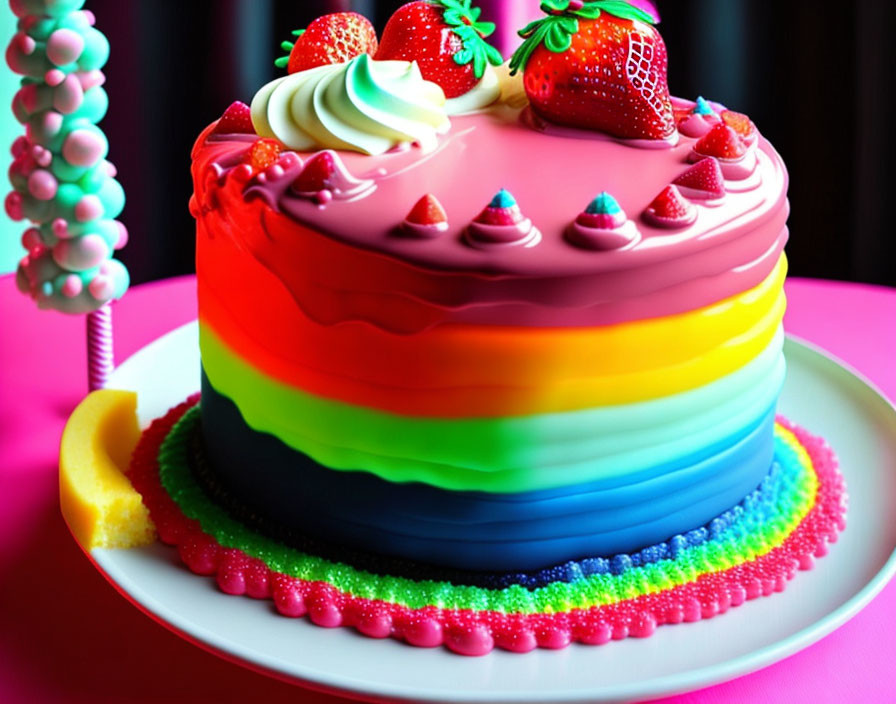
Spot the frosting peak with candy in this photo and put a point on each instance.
(361, 105)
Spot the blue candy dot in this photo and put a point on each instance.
(702, 107)
(603, 204)
(503, 199)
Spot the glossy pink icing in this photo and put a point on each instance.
(602, 232)
(417, 229)
(695, 126)
(444, 279)
(522, 233)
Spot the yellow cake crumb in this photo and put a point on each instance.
(99, 504)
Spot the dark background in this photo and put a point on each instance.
(816, 77)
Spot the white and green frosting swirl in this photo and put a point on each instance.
(361, 105)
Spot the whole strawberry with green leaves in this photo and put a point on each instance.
(330, 39)
(598, 65)
(445, 38)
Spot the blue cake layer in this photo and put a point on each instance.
(476, 530)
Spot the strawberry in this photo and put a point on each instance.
(445, 38)
(739, 122)
(427, 211)
(263, 154)
(721, 142)
(317, 175)
(670, 209)
(237, 119)
(703, 180)
(597, 65)
(331, 39)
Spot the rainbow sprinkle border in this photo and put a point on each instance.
(776, 531)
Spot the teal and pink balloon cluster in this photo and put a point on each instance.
(62, 182)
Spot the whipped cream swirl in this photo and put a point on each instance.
(361, 105)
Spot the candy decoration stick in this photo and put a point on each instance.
(100, 360)
(62, 182)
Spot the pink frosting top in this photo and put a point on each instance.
(551, 281)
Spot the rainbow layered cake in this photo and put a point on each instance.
(490, 354)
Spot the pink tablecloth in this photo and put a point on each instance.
(67, 636)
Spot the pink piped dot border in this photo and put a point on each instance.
(477, 633)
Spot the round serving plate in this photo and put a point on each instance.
(820, 393)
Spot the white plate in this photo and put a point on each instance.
(819, 393)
